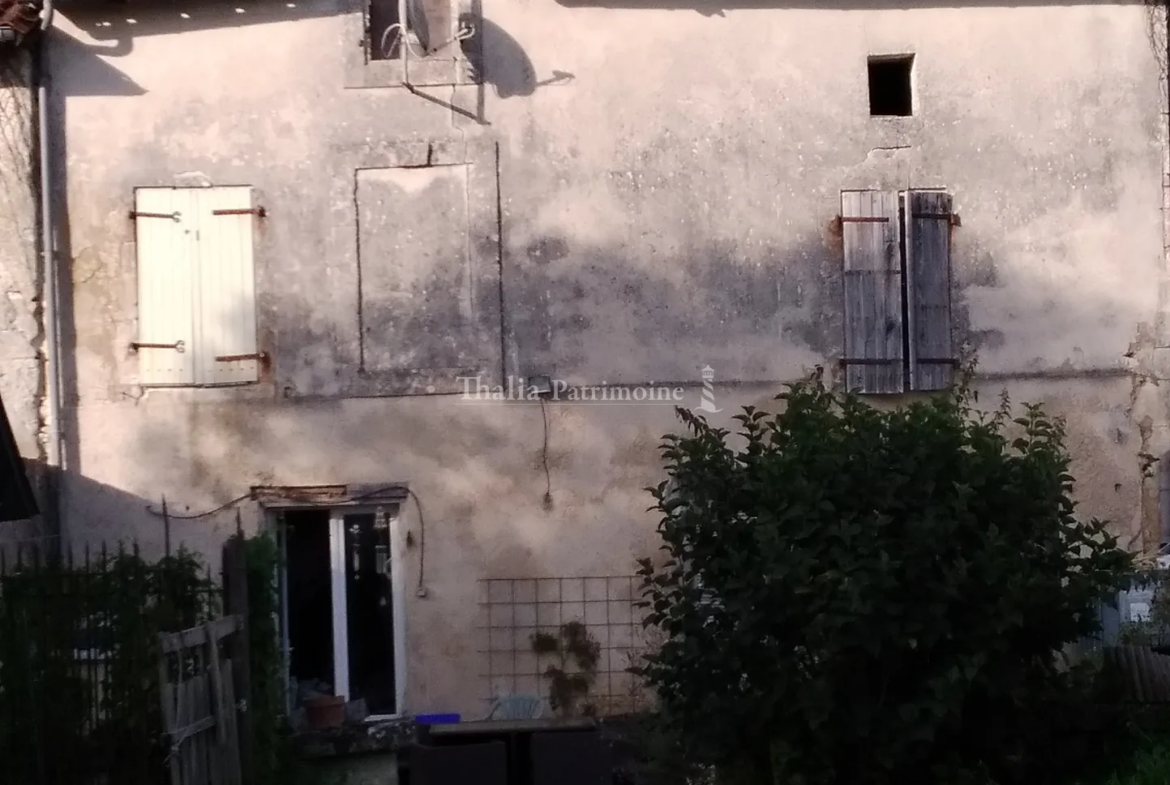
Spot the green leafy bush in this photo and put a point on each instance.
(862, 596)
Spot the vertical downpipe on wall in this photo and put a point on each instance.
(50, 308)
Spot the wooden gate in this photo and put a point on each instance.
(199, 704)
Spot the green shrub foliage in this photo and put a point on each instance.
(853, 595)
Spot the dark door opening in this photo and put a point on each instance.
(310, 597)
(370, 612)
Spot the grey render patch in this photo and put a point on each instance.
(421, 298)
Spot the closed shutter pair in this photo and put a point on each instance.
(196, 286)
(898, 333)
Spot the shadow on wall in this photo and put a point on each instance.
(496, 57)
(90, 509)
(499, 60)
(121, 23)
(98, 515)
(93, 75)
(718, 7)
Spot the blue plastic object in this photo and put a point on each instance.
(437, 719)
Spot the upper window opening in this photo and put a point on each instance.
(424, 29)
(890, 91)
(386, 30)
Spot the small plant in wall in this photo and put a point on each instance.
(572, 675)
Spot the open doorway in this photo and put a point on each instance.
(342, 613)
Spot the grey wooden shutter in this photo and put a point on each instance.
(928, 287)
(873, 291)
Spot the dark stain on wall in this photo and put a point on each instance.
(593, 311)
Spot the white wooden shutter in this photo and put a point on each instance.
(928, 287)
(873, 291)
(165, 235)
(226, 301)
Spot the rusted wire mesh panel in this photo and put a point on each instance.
(526, 624)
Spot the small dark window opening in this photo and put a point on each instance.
(889, 86)
(386, 30)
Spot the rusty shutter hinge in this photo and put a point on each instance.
(862, 219)
(868, 361)
(178, 346)
(230, 358)
(951, 218)
(175, 216)
(259, 212)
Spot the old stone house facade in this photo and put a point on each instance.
(291, 244)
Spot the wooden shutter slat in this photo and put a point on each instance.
(873, 291)
(928, 266)
(226, 327)
(166, 265)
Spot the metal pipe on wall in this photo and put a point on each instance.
(50, 309)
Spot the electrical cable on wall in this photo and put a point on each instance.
(422, 526)
(421, 589)
(548, 499)
(466, 31)
(220, 508)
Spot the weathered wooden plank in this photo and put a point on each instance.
(198, 726)
(221, 628)
(168, 693)
(192, 741)
(206, 738)
(216, 707)
(854, 319)
(186, 744)
(232, 750)
(928, 270)
(873, 291)
(199, 740)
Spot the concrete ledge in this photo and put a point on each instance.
(359, 738)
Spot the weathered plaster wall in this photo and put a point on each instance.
(655, 191)
(20, 333)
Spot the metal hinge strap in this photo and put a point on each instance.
(175, 216)
(229, 358)
(851, 219)
(178, 346)
(257, 211)
(951, 218)
(868, 361)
